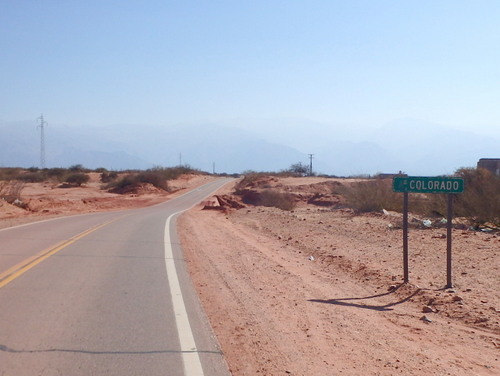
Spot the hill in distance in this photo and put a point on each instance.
(411, 146)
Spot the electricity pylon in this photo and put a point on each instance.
(42, 124)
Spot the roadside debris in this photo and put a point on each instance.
(426, 319)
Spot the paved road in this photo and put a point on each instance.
(103, 294)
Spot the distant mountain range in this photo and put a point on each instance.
(415, 147)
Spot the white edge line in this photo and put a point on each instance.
(190, 356)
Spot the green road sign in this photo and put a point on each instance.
(426, 184)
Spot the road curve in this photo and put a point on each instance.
(104, 294)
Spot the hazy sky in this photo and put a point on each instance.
(159, 62)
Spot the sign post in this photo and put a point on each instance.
(426, 184)
(448, 241)
(406, 272)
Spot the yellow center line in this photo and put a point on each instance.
(25, 265)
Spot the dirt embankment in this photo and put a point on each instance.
(46, 200)
(318, 291)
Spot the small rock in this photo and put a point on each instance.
(457, 298)
(426, 319)
(311, 258)
(428, 309)
(392, 288)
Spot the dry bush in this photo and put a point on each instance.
(372, 195)
(33, 177)
(280, 200)
(157, 176)
(56, 174)
(480, 201)
(77, 179)
(107, 177)
(10, 173)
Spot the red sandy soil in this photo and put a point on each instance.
(46, 200)
(344, 311)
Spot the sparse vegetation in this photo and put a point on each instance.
(273, 198)
(57, 174)
(297, 169)
(480, 202)
(77, 168)
(33, 177)
(157, 177)
(77, 179)
(371, 195)
(107, 177)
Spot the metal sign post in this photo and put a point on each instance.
(426, 184)
(448, 241)
(406, 272)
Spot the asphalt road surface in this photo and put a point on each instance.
(103, 294)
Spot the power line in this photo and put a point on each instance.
(42, 125)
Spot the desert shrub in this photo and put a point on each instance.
(156, 178)
(170, 173)
(121, 184)
(11, 173)
(33, 177)
(107, 177)
(57, 174)
(77, 179)
(135, 179)
(371, 195)
(273, 198)
(77, 168)
(480, 201)
(297, 169)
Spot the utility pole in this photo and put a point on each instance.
(42, 124)
(311, 164)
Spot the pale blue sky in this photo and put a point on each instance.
(362, 63)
